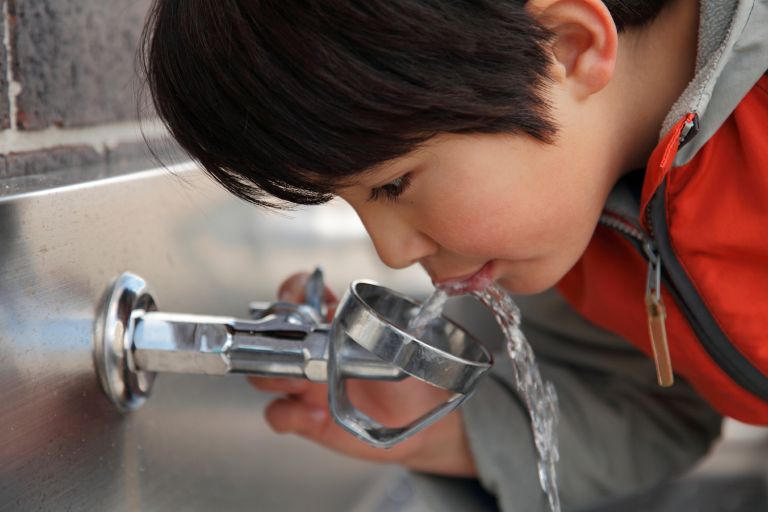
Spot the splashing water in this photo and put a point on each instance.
(539, 397)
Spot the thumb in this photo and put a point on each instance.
(293, 415)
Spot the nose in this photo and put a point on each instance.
(398, 241)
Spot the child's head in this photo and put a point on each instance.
(456, 129)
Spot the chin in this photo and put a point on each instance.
(526, 286)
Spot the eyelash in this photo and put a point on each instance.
(392, 190)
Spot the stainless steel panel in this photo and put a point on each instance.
(200, 442)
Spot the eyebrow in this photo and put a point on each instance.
(401, 161)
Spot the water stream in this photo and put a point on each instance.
(539, 397)
(430, 310)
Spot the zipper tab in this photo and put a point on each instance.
(690, 129)
(654, 305)
(657, 315)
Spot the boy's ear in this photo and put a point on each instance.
(584, 45)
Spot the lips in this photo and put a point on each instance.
(468, 283)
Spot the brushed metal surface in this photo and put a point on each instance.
(199, 443)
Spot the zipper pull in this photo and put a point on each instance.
(657, 315)
(690, 129)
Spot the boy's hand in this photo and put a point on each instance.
(440, 448)
(292, 290)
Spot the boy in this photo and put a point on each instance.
(485, 138)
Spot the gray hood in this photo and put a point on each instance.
(732, 55)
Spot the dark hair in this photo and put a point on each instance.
(289, 98)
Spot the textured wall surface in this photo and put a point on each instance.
(68, 85)
(4, 109)
(74, 60)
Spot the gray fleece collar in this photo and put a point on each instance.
(732, 55)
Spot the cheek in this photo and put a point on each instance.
(522, 224)
(528, 201)
(479, 224)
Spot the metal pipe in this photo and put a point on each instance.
(273, 346)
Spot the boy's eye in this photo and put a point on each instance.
(391, 190)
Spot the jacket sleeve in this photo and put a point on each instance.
(619, 431)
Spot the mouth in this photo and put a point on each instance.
(469, 283)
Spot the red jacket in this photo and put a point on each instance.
(707, 223)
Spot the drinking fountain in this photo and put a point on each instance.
(368, 338)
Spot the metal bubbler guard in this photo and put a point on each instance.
(376, 318)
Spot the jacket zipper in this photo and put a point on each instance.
(654, 305)
(705, 327)
(710, 335)
(655, 310)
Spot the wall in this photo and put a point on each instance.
(68, 86)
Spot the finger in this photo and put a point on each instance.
(331, 303)
(330, 298)
(292, 415)
(272, 385)
(321, 428)
(312, 393)
(292, 289)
